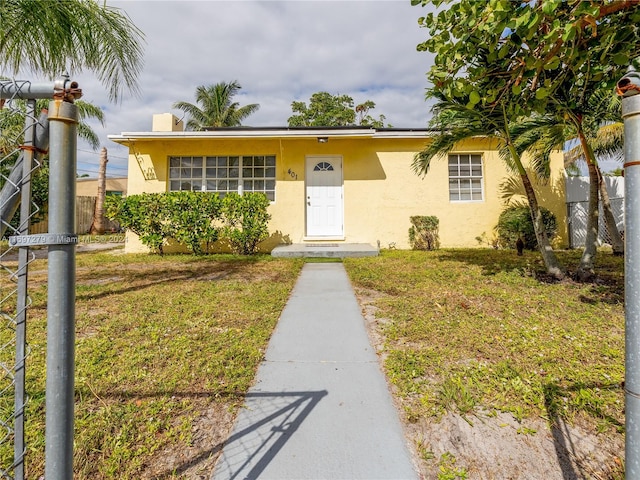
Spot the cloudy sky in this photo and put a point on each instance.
(279, 52)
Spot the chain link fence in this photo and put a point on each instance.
(18, 123)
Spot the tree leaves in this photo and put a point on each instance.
(327, 110)
(51, 37)
(474, 99)
(542, 93)
(528, 51)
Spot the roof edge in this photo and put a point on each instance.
(279, 132)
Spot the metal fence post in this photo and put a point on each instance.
(63, 118)
(629, 87)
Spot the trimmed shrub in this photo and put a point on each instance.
(423, 235)
(246, 221)
(515, 222)
(144, 214)
(194, 218)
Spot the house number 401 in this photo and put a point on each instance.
(292, 174)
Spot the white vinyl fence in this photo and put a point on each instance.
(578, 203)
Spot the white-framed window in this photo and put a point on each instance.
(465, 177)
(224, 174)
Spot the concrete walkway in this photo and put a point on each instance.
(320, 408)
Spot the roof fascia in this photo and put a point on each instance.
(273, 133)
(241, 134)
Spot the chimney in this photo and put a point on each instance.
(167, 122)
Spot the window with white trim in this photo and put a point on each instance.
(465, 178)
(224, 174)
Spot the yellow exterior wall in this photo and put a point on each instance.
(380, 189)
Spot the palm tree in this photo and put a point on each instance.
(457, 123)
(74, 35)
(98, 223)
(593, 136)
(217, 108)
(608, 142)
(606, 138)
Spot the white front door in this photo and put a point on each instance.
(324, 197)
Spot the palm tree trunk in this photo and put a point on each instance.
(586, 268)
(551, 263)
(98, 224)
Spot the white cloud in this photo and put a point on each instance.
(279, 51)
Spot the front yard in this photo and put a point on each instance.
(167, 347)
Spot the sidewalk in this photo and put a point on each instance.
(320, 408)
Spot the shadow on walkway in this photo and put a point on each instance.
(264, 426)
(271, 419)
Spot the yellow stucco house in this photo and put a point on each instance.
(339, 185)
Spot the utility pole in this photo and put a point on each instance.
(629, 88)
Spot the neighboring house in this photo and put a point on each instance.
(338, 185)
(88, 187)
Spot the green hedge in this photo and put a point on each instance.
(193, 219)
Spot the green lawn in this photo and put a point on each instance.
(160, 340)
(482, 330)
(165, 343)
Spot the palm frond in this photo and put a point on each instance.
(609, 140)
(440, 145)
(505, 154)
(86, 133)
(216, 107)
(511, 188)
(87, 110)
(456, 123)
(12, 121)
(72, 36)
(538, 137)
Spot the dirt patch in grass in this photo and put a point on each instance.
(500, 447)
(195, 461)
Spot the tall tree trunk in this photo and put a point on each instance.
(551, 263)
(98, 224)
(617, 244)
(586, 268)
